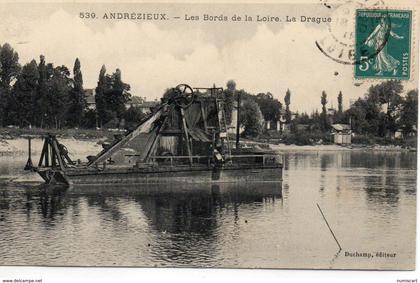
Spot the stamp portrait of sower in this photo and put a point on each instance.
(384, 62)
(383, 40)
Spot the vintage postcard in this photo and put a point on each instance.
(277, 135)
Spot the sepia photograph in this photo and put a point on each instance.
(269, 136)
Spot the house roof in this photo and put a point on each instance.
(341, 127)
(135, 100)
(89, 96)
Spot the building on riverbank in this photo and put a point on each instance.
(90, 98)
(341, 133)
(134, 101)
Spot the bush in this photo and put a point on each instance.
(372, 140)
(307, 138)
(251, 118)
(362, 139)
(89, 119)
(133, 116)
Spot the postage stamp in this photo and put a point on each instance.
(383, 40)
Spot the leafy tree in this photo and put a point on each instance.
(77, 100)
(133, 116)
(287, 103)
(59, 86)
(42, 70)
(4, 101)
(366, 117)
(117, 95)
(229, 93)
(317, 121)
(52, 95)
(409, 112)
(111, 96)
(269, 106)
(24, 94)
(9, 71)
(89, 120)
(10, 68)
(100, 97)
(231, 85)
(251, 118)
(324, 102)
(45, 72)
(367, 113)
(388, 94)
(303, 118)
(340, 102)
(339, 115)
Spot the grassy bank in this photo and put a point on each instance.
(79, 141)
(315, 138)
(80, 134)
(302, 141)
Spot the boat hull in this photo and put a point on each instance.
(162, 175)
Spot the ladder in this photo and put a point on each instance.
(223, 128)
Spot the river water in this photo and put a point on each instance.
(368, 198)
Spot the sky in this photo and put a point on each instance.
(153, 56)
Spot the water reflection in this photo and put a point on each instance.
(222, 224)
(349, 159)
(185, 221)
(51, 202)
(187, 208)
(383, 175)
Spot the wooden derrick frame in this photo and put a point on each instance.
(53, 154)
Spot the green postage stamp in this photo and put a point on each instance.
(383, 40)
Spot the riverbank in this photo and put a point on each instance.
(81, 142)
(78, 148)
(334, 147)
(79, 134)
(327, 147)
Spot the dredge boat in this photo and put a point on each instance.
(183, 140)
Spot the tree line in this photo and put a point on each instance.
(375, 117)
(382, 111)
(39, 94)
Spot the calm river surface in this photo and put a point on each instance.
(369, 199)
